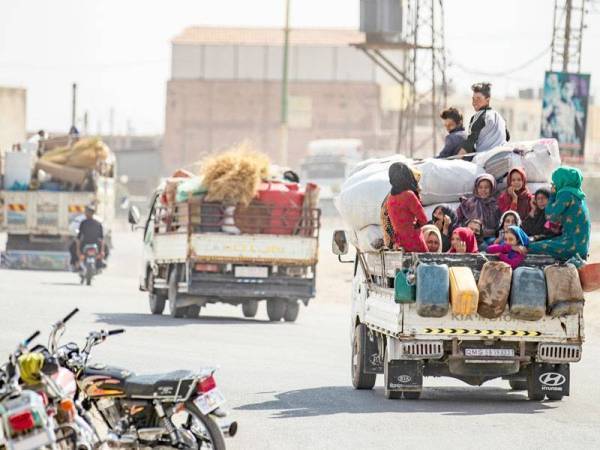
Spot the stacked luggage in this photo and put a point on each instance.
(527, 293)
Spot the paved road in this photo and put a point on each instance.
(288, 385)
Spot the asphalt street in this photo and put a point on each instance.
(288, 385)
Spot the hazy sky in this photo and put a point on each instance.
(118, 51)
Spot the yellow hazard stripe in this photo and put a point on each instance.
(16, 207)
(76, 208)
(466, 332)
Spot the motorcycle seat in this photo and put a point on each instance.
(170, 384)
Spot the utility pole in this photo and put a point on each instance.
(567, 42)
(567, 35)
(74, 105)
(284, 88)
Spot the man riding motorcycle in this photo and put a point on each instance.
(90, 232)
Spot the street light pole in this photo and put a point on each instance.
(284, 89)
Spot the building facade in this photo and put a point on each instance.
(13, 116)
(225, 87)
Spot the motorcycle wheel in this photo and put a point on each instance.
(205, 429)
(88, 278)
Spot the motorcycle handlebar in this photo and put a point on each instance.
(71, 314)
(117, 331)
(28, 341)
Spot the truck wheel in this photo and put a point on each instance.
(360, 379)
(291, 311)
(175, 312)
(532, 392)
(250, 308)
(518, 385)
(389, 394)
(192, 311)
(412, 395)
(156, 299)
(275, 309)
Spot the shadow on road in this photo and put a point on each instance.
(452, 401)
(62, 283)
(149, 320)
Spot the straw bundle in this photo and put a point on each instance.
(85, 154)
(233, 177)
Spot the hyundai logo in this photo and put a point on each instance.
(404, 379)
(552, 379)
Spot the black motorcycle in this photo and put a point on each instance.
(180, 409)
(89, 267)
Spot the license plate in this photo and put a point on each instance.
(210, 401)
(490, 352)
(31, 442)
(251, 272)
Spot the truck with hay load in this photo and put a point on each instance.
(44, 195)
(466, 316)
(234, 234)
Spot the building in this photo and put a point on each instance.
(13, 115)
(225, 87)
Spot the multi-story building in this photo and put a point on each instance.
(13, 106)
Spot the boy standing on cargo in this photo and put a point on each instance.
(487, 128)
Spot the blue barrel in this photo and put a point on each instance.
(433, 285)
(528, 294)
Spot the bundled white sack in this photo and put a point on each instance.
(370, 166)
(370, 238)
(446, 180)
(499, 161)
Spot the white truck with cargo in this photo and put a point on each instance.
(192, 258)
(40, 217)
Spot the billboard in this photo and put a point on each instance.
(564, 110)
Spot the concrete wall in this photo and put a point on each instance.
(13, 115)
(203, 116)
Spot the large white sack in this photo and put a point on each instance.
(499, 161)
(359, 204)
(371, 165)
(446, 180)
(370, 238)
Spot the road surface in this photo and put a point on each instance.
(288, 385)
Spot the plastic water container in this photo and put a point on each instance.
(528, 294)
(432, 290)
(464, 295)
(404, 288)
(494, 289)
(565, 294)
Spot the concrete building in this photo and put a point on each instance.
(13, 115)
(225, 87)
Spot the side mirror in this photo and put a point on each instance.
(134, 215)
(339, 244)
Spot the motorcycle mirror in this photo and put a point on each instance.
(134, 215)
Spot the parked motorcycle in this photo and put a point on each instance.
(180, 409)
(89, 266)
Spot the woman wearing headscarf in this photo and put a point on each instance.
(516, 197)
(406, 214)
(567, 207)
(446, 221)
(463, 241)
(433, 238)
(481, 205)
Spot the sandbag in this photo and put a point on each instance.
(446, 180)
(499, 161)
(370, 238)
(565, 295)
(189, 187)
(494, 289)
(371, 165)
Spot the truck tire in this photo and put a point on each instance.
(156, 299)
(275, 309)
(518, 385)
(192, 311)
(291, 311)
(389, 394)
(412, 395)
(360, 379)
(175, 312)
(250, 308)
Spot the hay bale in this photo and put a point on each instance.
(233, 177)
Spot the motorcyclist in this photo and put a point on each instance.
(91, 232)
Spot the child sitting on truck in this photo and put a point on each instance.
(406, 214)
(463, 241)
(511, 252)
(536, 225)
(446, 221)
(508, 219)
(516, 197)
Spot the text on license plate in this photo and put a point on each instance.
(251, 272)
(502, 352)
(210, 401)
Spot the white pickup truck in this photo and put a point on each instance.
(39, 224)
(391, 338)
(189, 260)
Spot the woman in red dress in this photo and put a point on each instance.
(405, 211)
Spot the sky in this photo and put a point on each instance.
(118, 51)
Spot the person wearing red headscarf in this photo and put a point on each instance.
(516, 197)
(463, 241)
